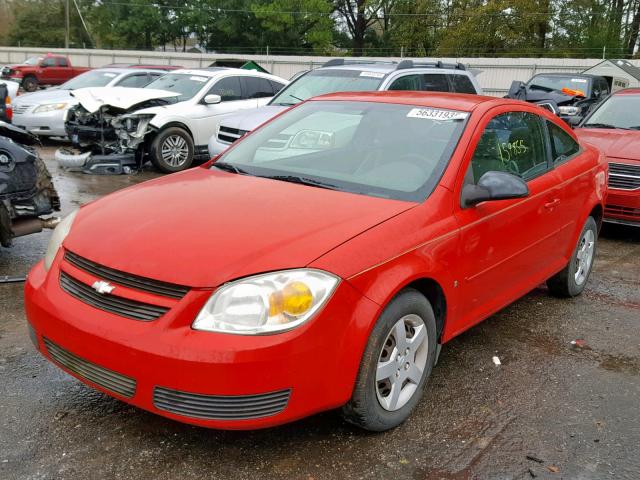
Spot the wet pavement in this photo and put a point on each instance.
(551, 410)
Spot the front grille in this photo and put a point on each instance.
(107, 379)
(216, 407)
(624, 176)
(21, 108)
(230, 135)
(109, 302)
(157, 287)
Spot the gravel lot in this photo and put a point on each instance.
(574, 411)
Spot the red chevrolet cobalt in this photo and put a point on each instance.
(322, 261)
(614, 127)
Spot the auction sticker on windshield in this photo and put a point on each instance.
(372, 74)
(437, 114)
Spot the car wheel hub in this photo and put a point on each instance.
(402, 362)
(175, 151)
(584, 257)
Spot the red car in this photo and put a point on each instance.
(332, 253)
(614, 127)
(49, 69)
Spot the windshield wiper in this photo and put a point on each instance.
(602, 125)
(227, 167)
(302, 181)
(285, 104)
(297, 98)
(635, 127)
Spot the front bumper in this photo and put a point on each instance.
(49, 124)
(314, 365)
(623, 207)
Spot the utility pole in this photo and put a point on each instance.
(66, 32)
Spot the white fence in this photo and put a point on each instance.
(495, 77)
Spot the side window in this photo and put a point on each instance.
(228, 88)
(512, 142)
(48, 62)
(134, 81)
(605, 87)
(462, 84)
(257, 87)
(62, 62)
(408, 82)
(276, 86)
(435, 82)
(562, 144)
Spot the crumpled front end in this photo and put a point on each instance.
(26, 189)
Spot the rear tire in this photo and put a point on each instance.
(572, 279)
(396, 364)
(172, 150)
(30, 84)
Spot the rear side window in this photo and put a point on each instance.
(62, 62)
(228, 88)
(435, 82)
(512, 142)
(462, 84)
(276, 86)
(562, 145)
(257, 87)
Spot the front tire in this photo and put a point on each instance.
(396, 364)
(172, 150)
(30, 84)
(572, 279)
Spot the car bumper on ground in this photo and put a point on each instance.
(49, 124)
(623, 207)
(210, 379)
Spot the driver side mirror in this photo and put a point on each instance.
(494, 186)
(574, 121)
(516, 87)
(212, 99)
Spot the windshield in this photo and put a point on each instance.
(566, 84)
(385, 150)
(94, 78)
(319, 82)
(32, 61)
(618, 111)
(185, 84)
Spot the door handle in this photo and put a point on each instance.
(552, 204)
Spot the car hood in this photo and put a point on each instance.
(615, 143)
(250, 119)
(119, 97)
(201, 228)
(45, 96)
(16, 134)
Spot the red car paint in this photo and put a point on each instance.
(480, 258)
(622, 147)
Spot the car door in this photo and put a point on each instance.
(47, 71)
(507, 247)
(258, 89)
(205, 118)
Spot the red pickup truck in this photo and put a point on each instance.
(49, 69)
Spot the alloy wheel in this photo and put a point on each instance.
(584, 257)
(175, 151)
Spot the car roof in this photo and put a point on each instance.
(126, 70)
(567, 74)
(628, 91)
(212, 72)
(455, 101)
(389, 67)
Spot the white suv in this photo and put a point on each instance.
(170, 120)
(339, 75)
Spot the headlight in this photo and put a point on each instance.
(57, 237)
(49, 107)
(267, 303)
(571, 111)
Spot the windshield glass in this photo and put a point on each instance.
(94, 78)
(385, 150)
(32, 61)
(555, 82)
(319, 82)
(183, 83)
(618, 111)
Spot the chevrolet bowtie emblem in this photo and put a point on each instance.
(102, 287)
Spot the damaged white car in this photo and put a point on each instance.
(169, 122)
